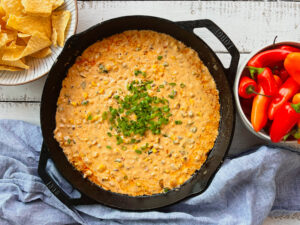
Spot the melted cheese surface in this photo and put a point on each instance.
(89, 89)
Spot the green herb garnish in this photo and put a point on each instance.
(178, 122)
(90, 117)
(108, 146)
(85, 102)
(104, 115)
(138, 151)
(150, 112)
(109, 134)
(159, 57)
(182, 85)
(172, 84)
(166, 190)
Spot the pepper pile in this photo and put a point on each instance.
(271, 84)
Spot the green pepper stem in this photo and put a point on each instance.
(254, 70)
(250, 90)
(296, 107)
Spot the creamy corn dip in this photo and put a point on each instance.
(137, 113)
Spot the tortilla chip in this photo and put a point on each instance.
(42, 53)
(7, 36)
(60, 20)
(36, 44)
(35, 26)
(38, 7)
(13, 53)
(9, 68)
(57, 3)
(12, 7)
(18, 63)
(23, 38)
(3, 39)
(2, 12)
(54, 38)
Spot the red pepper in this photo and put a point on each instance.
(247, 87)
(267, 81)
(289, 48)
(268, 58)
(278, 81)
(283, 74)
(292, 65)
(285, 119)
(259, 117)
(288, 89)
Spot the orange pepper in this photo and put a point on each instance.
(292, 65)
(259, 113)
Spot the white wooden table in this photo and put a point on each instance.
(248, 24)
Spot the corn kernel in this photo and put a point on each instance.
(105, 82)
(154, 66)
(102, 168)
(180, 180)
(95, 118)
(85, 95)
(108, 67)
(138, 184)
(73, 103)
(167, 171)
(154, 150)
(101, 91)
(192, 101)
(94, 84)
(71, 121)
(190, 135)
(173, 57)
(135, 147)
(199, 114)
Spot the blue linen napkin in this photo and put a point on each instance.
(244, 191)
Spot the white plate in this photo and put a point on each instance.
(40, 67)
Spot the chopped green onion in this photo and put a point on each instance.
(108, 146)
(90, 117)
(138, 151)
(178, 122)
(159, 57)
(109, 134)
(172, 84)
(104, 115)
(166, 190)
(85, 102)
(182, 85)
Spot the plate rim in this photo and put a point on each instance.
(44, 74)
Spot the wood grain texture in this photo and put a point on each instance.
(29, 112)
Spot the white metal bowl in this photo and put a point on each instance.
(263, 135)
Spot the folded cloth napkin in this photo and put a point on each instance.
(244, 191)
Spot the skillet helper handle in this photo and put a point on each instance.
(54, 187)
(222, 37)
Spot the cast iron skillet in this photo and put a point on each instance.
(182, 31)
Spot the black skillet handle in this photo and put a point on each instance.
(222, 37)
(53, 186)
